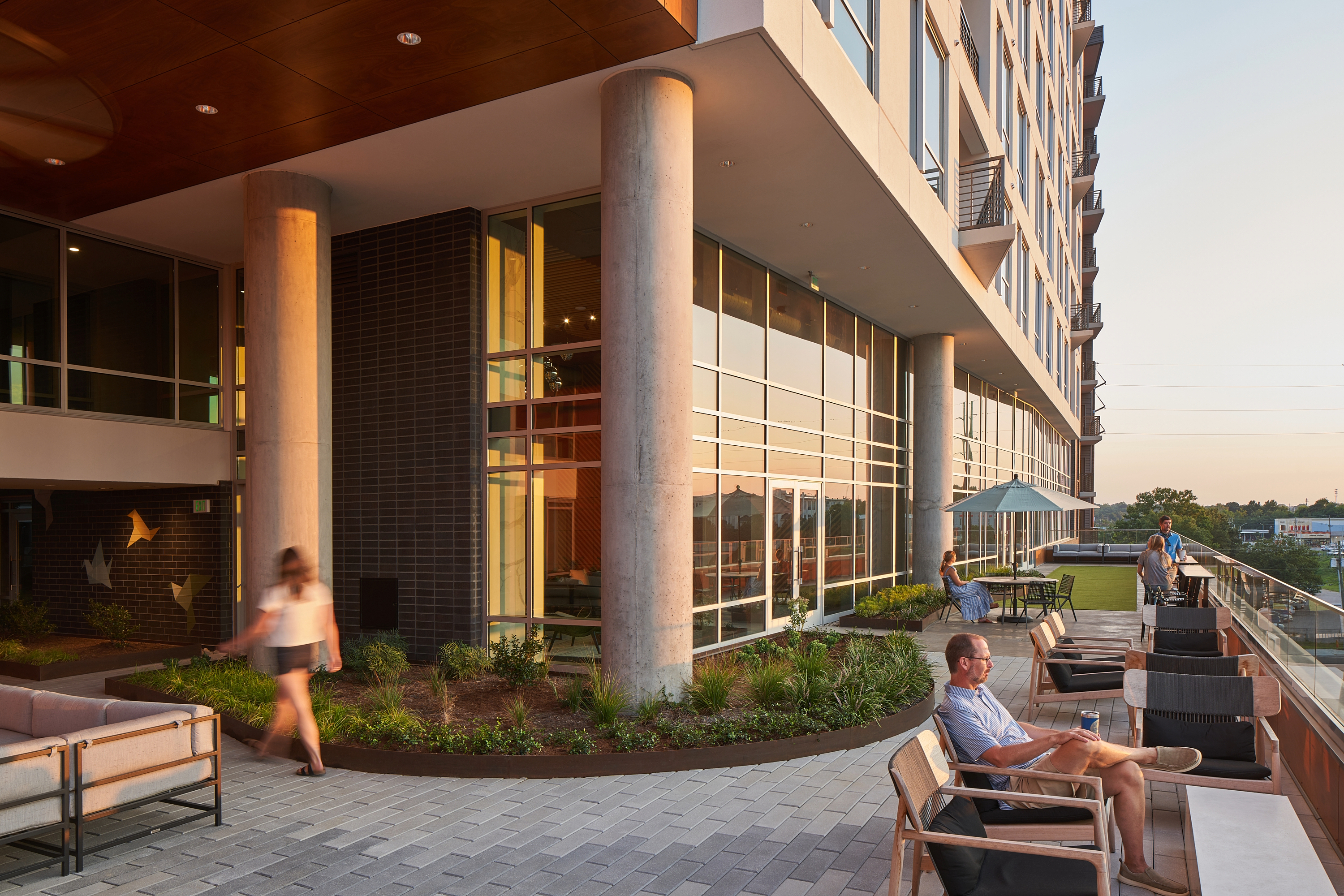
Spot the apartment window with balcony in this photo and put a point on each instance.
(852, 22)
(1050, 135)
(1059, 353)
(1024, 32)
(1049, 338)
(1040, 314)
(1048, 23)
(1023, 297)
(1049, 238)
(933, 104)
(1040, 204)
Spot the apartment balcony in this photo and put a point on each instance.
(1082, 26)
(1085, 323)
(1092, 430)
(968, 44)
(1092, 52)
(1093, 100)
(1092, 211)
(1090, 378)
(1089, 272)
(1085, 163)
(983, 233)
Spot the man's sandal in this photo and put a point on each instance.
(306, 771)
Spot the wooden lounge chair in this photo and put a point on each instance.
(1187, 631)
(931, 810)
(1056, 623)
(1245, 664)
(1058, 823)
(1058, 679)
(1222, 717)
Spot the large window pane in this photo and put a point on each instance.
(743, 619)
(884, 371)
(882, 512)
(198, 330)
(705, 535)
(839, 353)
(704, 388)
(567, 543)
(507, 380)
(239, 329)
(933, 102)
(861, 531)
(744, 314)
(795, 335)
(705, 312)
(567, 271)
(743, 397)
(30, 384)
(705, 628)
(742, 505)
(506, 281)
(30, 266)
(198, 403)
(560, 414)
(792, 438)
(839, 532)
(793, 409)
(567, 447)
(120, 302)
(108, 394)
(785, 464)
(851, 41)
(863, 363)
(567, 373)
(506, 540)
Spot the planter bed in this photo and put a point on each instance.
(885, 624)
(148, 655)
(461, 765)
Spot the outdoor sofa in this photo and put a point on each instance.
(1070, 552)
(66, 761)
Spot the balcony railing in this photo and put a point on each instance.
(968, 44)
(1089, 371)
(1085, 159)
(980, 194)
(1092, 88)
(934, 178)
(1082, 11)
(1089, 257)
(1096, 37)
(1092, 427)
(1086, 317)
(1092, 201)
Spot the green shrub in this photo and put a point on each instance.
(463, 662)
(10, 650)
(797, 619)
(515, 660)
(904, 602)
(574, 695)
(353, 650)
(113, 621)
(386, 698)
(765, 683)
(627, 738)
(576, 741)
(15, 652)
(1006, 571)
(809, 684)
(711, 684)
(607, 698)
(650, 708)
(384, 664)
(24, 619)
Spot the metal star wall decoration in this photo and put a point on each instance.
(140, 530)
(99, 570)
(184, 593)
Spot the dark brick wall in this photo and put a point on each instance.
(141, 574)
(406, 423)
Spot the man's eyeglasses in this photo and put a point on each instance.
(987, 659)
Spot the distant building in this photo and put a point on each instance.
(1312, 531)
(1250, 535)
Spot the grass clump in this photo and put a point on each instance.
(574, 695)
(15, 652)
(113, 621)
(515, 660)
(711, 685)
(607, 698)
(766, 683)
(384, 664)
(462, 662)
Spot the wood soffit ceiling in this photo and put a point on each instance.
(110, 86)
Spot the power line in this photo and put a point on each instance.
(1224, 410)
(1211, 386)
(1181, 364)
(1237, 434)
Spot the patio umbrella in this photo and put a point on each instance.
(1017, 497)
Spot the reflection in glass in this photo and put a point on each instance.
(747, 460)
(743, 397)
(507, 380)
(705, 628)
(793, 439)
(839, 420)
(883, 511)
(743, 619)
(30, 384)
(510, 419)
(793, 409)
(839, 599)
(582, 643)
(704, 454)
(744, 314)
(120, 303)
(498, 631)
(884, 373)
(863, 364)
(567, 373)
(839, 353)
(783, 553)
(240, 408)
(198, 327)
(704, 388)
(198, 403)
(705, 535)
(740, 431)
(839, 469)
(842, 447)
(704, 425)
(567, 271)
(796, 329)
(506, 543)
(109, 394)
(783, 464)
(506, 281)
(861, 531)
(557, 414)
(30, 271)
(239, 330)
(510, 451)
(567, 447)
(742, 505)
(567, 542)
(839, 532)
(808, 505)
(705, 312)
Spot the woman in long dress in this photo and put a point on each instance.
(972, 596)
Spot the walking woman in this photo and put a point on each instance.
(295, 615)
(1156, 568)
(972, 597)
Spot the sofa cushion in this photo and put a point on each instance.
(13, 737)
(202, 735)
(107, 760)
(16, 708)
(29, 777)
(59, 714)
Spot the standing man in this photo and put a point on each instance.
(1170, 540)
(984, 733)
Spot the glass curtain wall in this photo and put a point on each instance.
(999, 437)
(139, 330)
(801, 450)
(544, 425)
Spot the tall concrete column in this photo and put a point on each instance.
(932, 423)
(647, 276)
(287, 271)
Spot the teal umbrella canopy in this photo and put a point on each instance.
(1017, 496)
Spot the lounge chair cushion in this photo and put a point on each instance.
(990, 813)
(1068, 681)
(1010, 874)
(28, 778)
(1234, 741)
(958, 866)
(1231, 768)
(1186, 643)
(16, 708)
(1117, 662)
(59, 714)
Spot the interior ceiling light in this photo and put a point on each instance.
(863, 267)
(914, 306)
(409, 38)
(206, 110)
(56, 162)
(74, 248)
(726, 163)
(806, 224)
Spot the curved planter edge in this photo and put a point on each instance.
(459, 765)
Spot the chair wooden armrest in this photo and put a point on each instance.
(1222, 641)
(1091, 780)
(1267, 752)
(1084, 648)
(1088, 639)
(1059, 662)
(1072, 802)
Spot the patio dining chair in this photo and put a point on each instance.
(1061, 679)
(1040, 594)
(930, 809)
(1222, 717)
(1187, 631)
(952, 602)
(1064, 595)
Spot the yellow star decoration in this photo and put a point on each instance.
(140, 530)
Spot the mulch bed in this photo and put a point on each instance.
(88, 648)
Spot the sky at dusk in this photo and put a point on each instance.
(1220, 250)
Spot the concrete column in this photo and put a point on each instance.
(287, 271)
(647, 275)
(932, 423)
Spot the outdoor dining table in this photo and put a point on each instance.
(1191, 579)
(1013, 583)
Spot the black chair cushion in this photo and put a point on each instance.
(1016, 874)
(1186, 643)
(1232, 768)
(958, 866)
(1052, 815)
(1118, 662)
(1195, 653)
(1092, 681)
(1216, 740)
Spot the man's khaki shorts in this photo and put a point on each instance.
(1044, 787)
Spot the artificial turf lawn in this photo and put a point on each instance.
(1102, 587)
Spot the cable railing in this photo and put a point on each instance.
(980, 194)
(968, 44)
(934, 178)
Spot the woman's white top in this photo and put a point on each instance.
(302, 618)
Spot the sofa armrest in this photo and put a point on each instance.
(33, 784)
(118, 764)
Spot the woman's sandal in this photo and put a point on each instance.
(255, 746)
(306, 771)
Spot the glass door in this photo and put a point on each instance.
(795, 534)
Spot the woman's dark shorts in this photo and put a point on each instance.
(288, 659)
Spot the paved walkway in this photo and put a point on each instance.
(819, 826)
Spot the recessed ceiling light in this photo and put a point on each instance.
(914, 306)
(592, 317)
(74, 248)
(206, 110)
(726, 163)
(56, 162)
(863, 267)
(566, 320)
(409, 38)
(806, 224)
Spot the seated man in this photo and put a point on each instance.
(983, 733)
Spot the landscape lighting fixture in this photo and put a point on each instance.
(409, 38)
(206, 110)
(56, 162)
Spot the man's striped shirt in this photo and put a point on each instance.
(976, 722)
